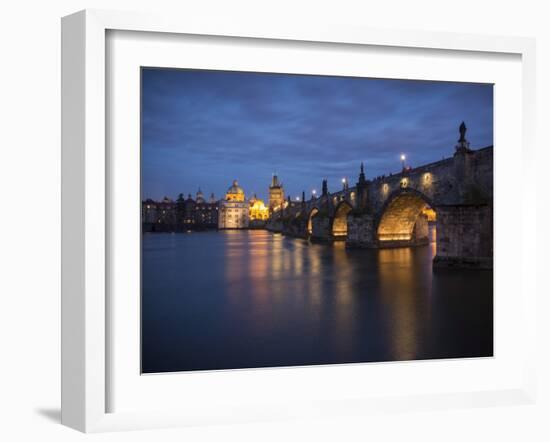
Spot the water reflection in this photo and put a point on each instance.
(251, 299)
(404, 285)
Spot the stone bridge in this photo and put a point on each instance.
(452, 198)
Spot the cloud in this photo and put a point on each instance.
(207, 127)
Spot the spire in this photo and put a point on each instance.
(325, 187)
(303, 196)
(362, 178)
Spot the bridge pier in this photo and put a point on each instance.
(296, 227)
(321, 230)
(421, 232)
(464, 236)
(361, 231)
(274, 225)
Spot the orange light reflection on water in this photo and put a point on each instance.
(399, 283)
(288, 275)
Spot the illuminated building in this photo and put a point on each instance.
(234, 209)
(258, 210)
(276, 194)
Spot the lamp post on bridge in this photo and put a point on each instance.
(403, 158)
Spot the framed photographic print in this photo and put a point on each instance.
(262, 275)
(265, 223)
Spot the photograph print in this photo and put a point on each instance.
(300, 220)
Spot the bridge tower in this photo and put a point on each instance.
(276, 193)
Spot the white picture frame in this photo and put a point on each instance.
(85, 202)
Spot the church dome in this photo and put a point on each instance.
(235, 193)
(235, 189)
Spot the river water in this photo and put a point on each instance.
(241, 299)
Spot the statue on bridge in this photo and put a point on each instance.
(463, 145)
(462, 129)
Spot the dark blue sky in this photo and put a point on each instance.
(206, 128)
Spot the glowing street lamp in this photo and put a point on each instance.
(403, 160)
(297, 198)
(313, 192)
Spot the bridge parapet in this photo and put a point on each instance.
(465, 178)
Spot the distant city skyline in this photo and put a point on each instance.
(203, 129)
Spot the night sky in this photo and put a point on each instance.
(206, 128)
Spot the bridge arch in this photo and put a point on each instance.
(313, 212)
(339, 227)
(404, 218)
